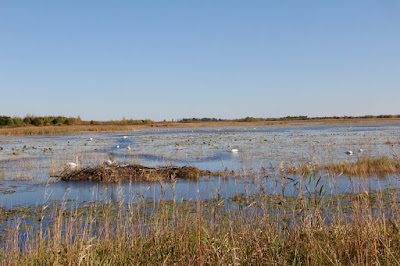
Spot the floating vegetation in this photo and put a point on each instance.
(136, 172)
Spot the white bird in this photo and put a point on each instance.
(125, 137)
(90, 139)
(129, 147)
(234, 150)
(360, 150)
(349, 152)
(72, 166)
(117, 146)
(110, 163)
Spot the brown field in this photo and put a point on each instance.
(71, 129)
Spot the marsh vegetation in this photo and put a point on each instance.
(363, 166)
(290, 195)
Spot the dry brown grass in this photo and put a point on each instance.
(202, 233)
(366, 166)
(65, 129)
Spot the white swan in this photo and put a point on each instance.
(110, 162)
(234, 150)
(117, 146)
(72, 166)
(125, 137)
(90, 139)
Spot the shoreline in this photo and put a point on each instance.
(74, 129)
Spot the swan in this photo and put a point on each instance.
(349, 152)
(90, 139)
(72, 166)
(125, 137)
(110, 162)
(117, 146)
(234, 150)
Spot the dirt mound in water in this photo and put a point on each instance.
(136, 172)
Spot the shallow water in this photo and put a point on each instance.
(26, 163)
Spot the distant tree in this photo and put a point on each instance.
(18, 121)
(28, 120)
(58, 120)
(38, 121)
(6, 121)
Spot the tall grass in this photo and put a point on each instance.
(259, 229)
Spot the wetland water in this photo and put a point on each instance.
(27, 163)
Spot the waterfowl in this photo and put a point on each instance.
(71, 166)
(110, 162)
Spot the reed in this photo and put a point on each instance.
(259, 229)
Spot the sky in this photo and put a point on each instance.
(105, 60)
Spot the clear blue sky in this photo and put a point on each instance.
(176, 59)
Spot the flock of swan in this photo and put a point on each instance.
(72, 166)
(350, 152)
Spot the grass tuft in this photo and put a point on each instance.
(366, 166)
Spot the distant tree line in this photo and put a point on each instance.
(304, 117)
(30, 120)
(123, 122)
(204, 119)
(300, 117)
(39, 120)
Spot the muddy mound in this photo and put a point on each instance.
(135, 172)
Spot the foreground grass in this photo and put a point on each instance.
(252, 230)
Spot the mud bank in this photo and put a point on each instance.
(113, 174)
